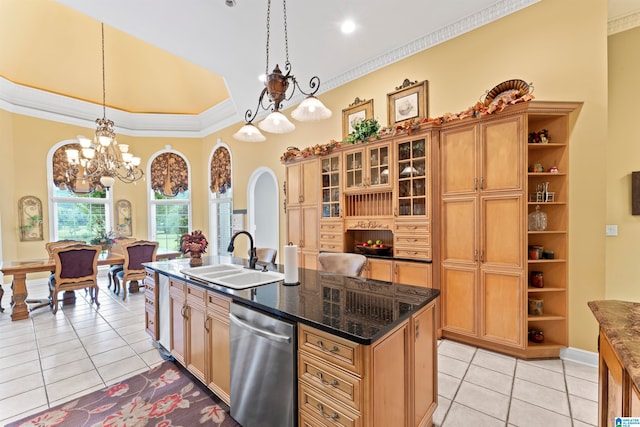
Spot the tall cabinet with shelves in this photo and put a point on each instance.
(486, 195)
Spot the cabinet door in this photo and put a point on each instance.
(354, 169)
(310, 182)
(178, 308)
(413, 177)
(459, 301)
(310, 228)
(634, 410)
(458, 160)
(379, 269)
(330, 187)
(294, 225)
(502, 156)
(219, 359)
(196, 357)
(502, 231)
(610, 384)
(378, 162)
(294, 183)
(502, 312)
(423, 369)
(459, 232)
(412, 273)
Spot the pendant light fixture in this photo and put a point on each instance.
(103, 157)
(275, 90)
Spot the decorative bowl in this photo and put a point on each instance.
(370, 250)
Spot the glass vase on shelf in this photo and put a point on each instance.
(537, 220)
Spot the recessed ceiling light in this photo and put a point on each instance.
(348, 26)
(230, 3)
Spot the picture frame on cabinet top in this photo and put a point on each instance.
(360, 109)
(408, 101)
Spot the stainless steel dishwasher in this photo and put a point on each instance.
(263, 369)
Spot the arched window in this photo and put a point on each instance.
(79, 209)
(169, 198)
(220, 199)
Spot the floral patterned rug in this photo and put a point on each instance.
(165, 396)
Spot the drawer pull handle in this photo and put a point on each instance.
(333, 416)
(332, 383)
(335, 348)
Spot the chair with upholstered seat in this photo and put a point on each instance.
(266, 255)
(135, 253)
(76, 268)
(347, 264)
(117, 248)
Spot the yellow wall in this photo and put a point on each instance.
(563, 54)
(623, 157)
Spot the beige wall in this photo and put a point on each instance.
(563, 54)
(623, 157)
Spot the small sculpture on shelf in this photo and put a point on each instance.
(537, 220)
(194, 244)
(540, 137)
(536, 335)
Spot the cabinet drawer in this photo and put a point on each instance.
(335, 382)
(323, 408)
(150, 323)
(332, 349)
(149, 300)
(196, 295)
(335, 227)
(218, 302)
(413, 227)
(149, 283)
(331, 236)
(410, 241)
(333, 246)
(415, 253)
(177, 285)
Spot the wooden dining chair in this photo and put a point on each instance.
(76, 268)
(50, 246)
(135, 253)
(267, 255)
(117, 248)
(347, 264)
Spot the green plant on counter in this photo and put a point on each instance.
(363, 130)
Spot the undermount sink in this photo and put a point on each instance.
(233, 276)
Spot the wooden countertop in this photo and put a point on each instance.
(620, 322)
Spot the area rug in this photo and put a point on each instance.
(165, 396)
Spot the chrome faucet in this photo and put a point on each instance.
(252, 250)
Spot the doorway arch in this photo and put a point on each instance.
(263, 202)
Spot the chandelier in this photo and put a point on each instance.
(103, 158)
(275, 90)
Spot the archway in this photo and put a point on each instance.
(263, 203)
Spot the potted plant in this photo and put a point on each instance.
(100, 236)
(363, 130)
(194, 244)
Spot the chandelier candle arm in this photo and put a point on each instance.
(275, 91)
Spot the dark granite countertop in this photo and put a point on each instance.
(354, 308)
(620, 322)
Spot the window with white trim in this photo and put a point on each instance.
(220, 199)
(170, 199)
(78, 209)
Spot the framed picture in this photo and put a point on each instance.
(360, 109)
(123, 218)
(408, 101)
(30, 214)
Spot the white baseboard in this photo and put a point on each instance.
(579, 356)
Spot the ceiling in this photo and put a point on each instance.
(199, 57)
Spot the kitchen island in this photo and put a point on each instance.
(619, 359)
(366, 349)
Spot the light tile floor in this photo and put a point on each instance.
(49, 359)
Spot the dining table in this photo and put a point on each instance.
(20, 269)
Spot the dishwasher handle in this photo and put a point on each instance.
(261, 332)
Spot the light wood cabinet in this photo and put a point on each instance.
(614, 385)
(303, 186)
(367, 168)
(150, 304)
(330, 187)
(403, 272)
(413, 177)
(178, 307)
(200, 338)
(485, 197)
(196, 318)
(218, 346)
(332, 235)
(391, 382)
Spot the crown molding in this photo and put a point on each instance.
(37, 103)
(623, 23)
